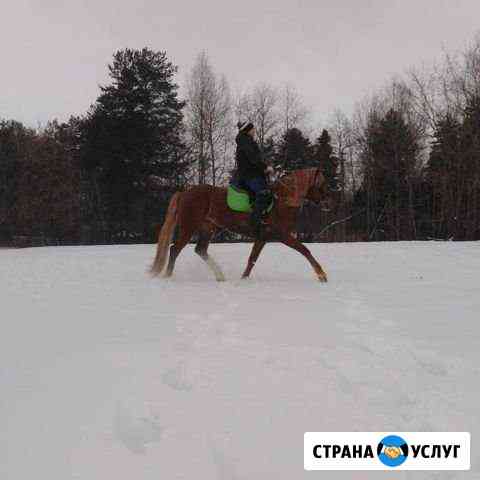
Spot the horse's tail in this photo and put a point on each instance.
(165, 236)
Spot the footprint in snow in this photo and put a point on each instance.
(176, 378)
(136, 431)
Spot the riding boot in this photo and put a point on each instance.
(256, 223)
(262, 202)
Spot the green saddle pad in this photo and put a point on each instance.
(239, 200)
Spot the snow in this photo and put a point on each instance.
(108, 374)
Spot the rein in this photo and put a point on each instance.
(293, 189)
(281, 182)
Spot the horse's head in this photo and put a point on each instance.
(307, 184)
(319, 192)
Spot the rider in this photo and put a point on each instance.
(251, 172)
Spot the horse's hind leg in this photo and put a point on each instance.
(201, 249)
(182, 238)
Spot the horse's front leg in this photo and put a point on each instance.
(289, 240)
(256, 250)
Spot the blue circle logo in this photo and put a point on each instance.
(392, 450)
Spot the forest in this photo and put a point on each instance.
(405, 163)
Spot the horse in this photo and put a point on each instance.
(203, 210)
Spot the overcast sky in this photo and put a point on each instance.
(54, 53)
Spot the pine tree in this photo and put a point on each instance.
(389, 160)
(293, 152)
(443, 178)
(47, 203)
(323, 157)
(133, 132)
(15, 142)
(469, 215)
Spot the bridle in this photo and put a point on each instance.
(281, 182)
(292, 188)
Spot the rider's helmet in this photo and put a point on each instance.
(245, 126)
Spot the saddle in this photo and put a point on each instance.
(242, 200)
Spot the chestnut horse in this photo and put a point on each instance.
(203, 209)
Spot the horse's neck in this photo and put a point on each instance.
(296, 185)
(286, 182)
(286, 189)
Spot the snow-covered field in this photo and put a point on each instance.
(107, 374)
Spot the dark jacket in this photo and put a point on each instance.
(248, 158)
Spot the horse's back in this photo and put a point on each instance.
(197, 201)
(203, 189)
(203, 194)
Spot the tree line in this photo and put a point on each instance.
(405, 165)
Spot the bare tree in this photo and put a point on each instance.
(293, 111)
(343, 143)
(261, 106)
(209, 120)
(446, 88)
(427, 94)
(391, 137)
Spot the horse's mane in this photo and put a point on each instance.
(293, 187)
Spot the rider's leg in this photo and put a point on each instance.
(262, 200)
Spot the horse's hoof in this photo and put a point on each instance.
(322, 278)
